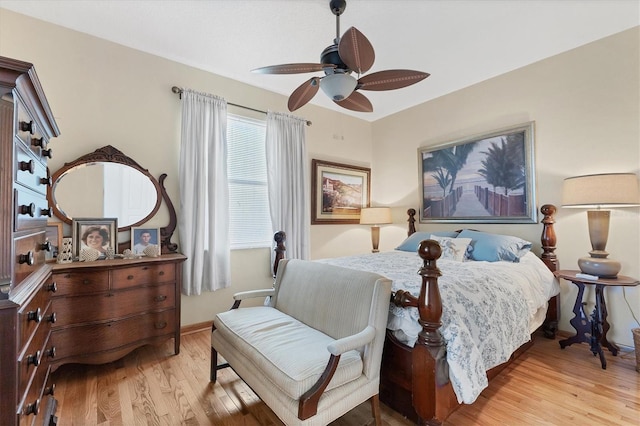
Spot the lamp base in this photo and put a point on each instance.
(601, 267)
(375, 238)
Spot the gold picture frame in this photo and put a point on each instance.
(338, 192)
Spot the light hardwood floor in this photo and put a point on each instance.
(545, 386)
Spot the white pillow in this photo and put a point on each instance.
(452, 248)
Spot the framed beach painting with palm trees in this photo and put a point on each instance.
(486, 178)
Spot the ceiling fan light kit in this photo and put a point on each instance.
(338, 86)
(351, 53)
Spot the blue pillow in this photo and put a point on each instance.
(495, 247)
(413, 241)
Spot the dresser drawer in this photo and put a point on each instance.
(88, 339)
(29, 133)
(112, 305)
(30, 407)
(31, 210)
(147, 274)
(33, 408)
(29, 254)
(30, 172)
(33, 358)
(33, 403)
(81, 282)
(35, 313)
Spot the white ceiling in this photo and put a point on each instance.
(460, 42)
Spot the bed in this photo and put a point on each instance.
(430, 363)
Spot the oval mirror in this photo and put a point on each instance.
(105, 183)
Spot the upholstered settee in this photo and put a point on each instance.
(314, 352)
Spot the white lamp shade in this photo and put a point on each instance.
(338, 86)
(375, 216)
(602, 190)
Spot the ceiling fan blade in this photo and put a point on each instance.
(292, 68)
(356, 51)
(303, 93)
(356, 102)
(390, 79)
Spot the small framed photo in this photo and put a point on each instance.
(100, 234)
(338, 192)
(54, 236)
(141, 238)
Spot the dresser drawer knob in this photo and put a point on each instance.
(32, 408)
(27, 258)
(51, 353)
(161, 298)
(53, 287)
(50, 390)
(27, 126)
(129, 277)
(27, 166)
(52, 318)
(34, 359)
(34, 315)
(46, 246)
(46, 181)
(39, 142)
(27, 209)
(47, 153)
(86, 281)
(48, 212)
(161, 273)
(161, 324)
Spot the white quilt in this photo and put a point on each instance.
(487, 308)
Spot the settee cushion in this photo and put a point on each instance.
(291, 355)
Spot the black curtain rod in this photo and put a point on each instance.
(177, 90)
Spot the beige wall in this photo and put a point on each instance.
(102, 94)
(584, 102)
(586, 108)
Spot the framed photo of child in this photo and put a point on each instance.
(141, 238)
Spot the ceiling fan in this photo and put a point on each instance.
(351, 53)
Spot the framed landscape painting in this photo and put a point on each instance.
(487, 178)
(338, 192)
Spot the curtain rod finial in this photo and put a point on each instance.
(177, 90)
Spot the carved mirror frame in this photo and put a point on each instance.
(109, 154)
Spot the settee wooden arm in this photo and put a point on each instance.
(308, 403)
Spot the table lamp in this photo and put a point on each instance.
(375, 216)
(596, 192)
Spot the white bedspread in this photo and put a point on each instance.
(487, 308)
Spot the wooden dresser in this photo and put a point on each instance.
(26, 315)
(107, 308)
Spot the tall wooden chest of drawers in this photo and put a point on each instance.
(107, 308)
(26, 127)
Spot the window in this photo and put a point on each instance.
(249, 221)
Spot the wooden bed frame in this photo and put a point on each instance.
(414, 380)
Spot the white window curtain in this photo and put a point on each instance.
(287, 181)
(204, 193)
